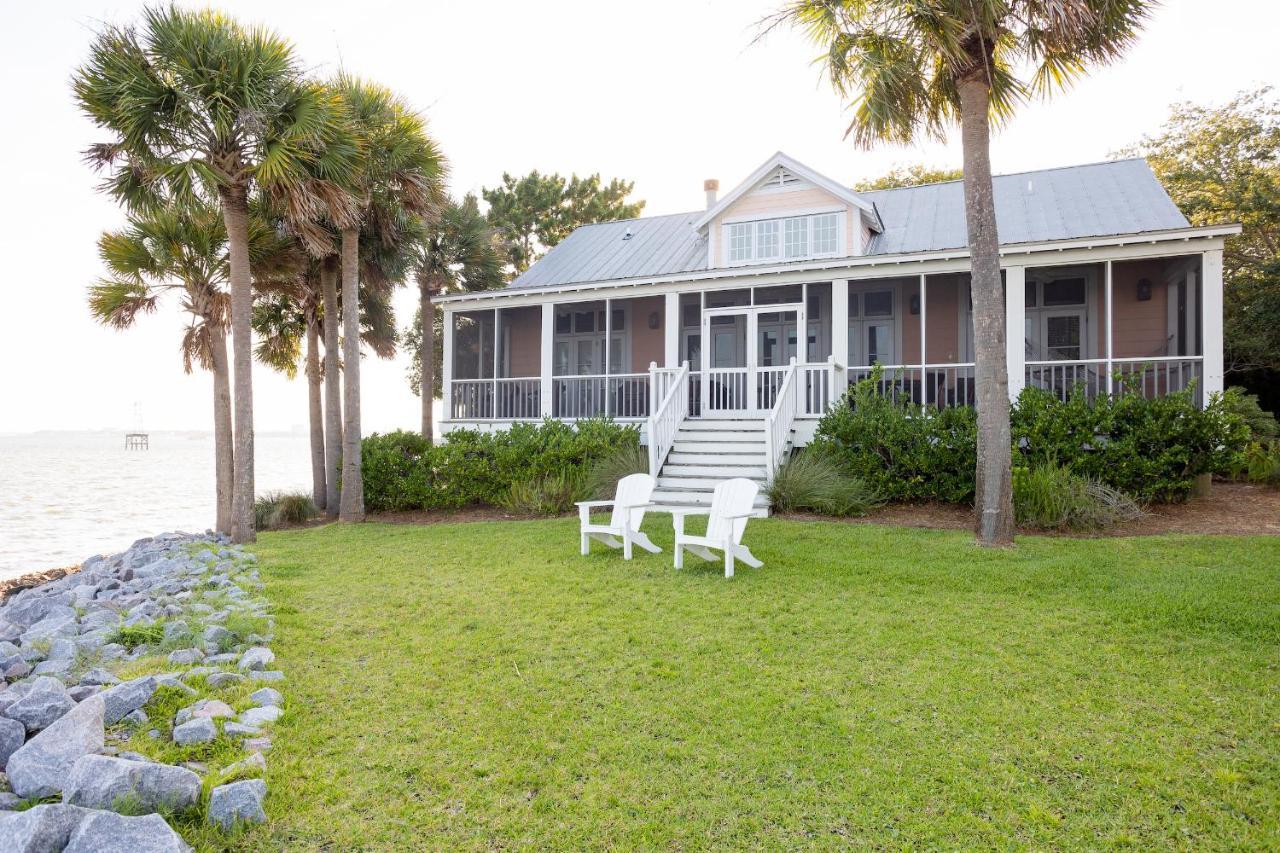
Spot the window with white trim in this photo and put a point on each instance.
(792, 238)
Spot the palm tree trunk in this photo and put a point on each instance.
(223, 436)
(332, 380)
(993, 503)
(235, 214)
(426, 354)
(315, 412)
(352, 507)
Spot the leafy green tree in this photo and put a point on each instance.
(1222, 164)
(183, 250)
(909, 176)
(400, 177)
(537, 211)
(911, 70)
(193, 100)
(461, 252)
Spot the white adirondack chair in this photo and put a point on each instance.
(731, 505)
(629, 503)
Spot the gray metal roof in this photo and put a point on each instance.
(1095, 200)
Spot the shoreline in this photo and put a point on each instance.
(33, 579)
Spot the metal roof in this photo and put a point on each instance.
(1095, 200)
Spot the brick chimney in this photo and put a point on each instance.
(711, 186)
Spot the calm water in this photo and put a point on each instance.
(67, 496)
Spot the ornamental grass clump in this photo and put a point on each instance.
(1051, 497)
(549, 494)
(815, 480)
(279, 509)
(603, 476)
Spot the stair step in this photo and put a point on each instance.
(706, 484)
(716, 471)
(715, 424)
(715, 458)
(669, 498)
(721, 436)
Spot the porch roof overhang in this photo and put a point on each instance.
(1045, 253)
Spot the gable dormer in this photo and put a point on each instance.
(786, 213)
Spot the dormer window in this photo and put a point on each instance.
(789, 238)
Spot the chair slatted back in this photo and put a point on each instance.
(632, 489)
(732, 497)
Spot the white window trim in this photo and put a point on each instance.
(571, 337)
(1092, 314)
(726, 232)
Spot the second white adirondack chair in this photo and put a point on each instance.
(732, 503)
(629, 503)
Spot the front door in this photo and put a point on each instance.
(748, 351)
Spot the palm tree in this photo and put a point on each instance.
(184, 250)
(401, 177)
(461, 252)
(913, 69)
(195, 100)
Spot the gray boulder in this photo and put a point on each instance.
(29, 609)
(62, 649)
(45, 702)
(223, 679)
(57, 668)
(19, 669)
(39, 830)
(98, 677)
(176, 630)
(10, 801)
(185, 657)
(108, 832)
(60, 624)
(266, 696)
(83, 691)
(217, 635)
(257, 658)
(240, 730)
(211, 708)
(199, 730)
(260, 716)
(266, 675)
(40, 767)
(127, 697)
(237, 803)
(12, 735)
(103, 782)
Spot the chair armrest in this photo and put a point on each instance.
(751, 514)
(689, 511)
(593, 503)
(636, 506)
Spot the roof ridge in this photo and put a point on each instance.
(1009, 174)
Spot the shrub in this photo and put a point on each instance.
(546, 494)
(903, 452)
(603, 476)
(402, 471)
(817, 481)
(1262, 424)
(1051, 497)
(1262, 463)
(276, 509)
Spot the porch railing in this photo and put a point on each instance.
(512, 398)
(782, 414)
(618, 395)
(1151, 376)
(940, 386)
(726, 390)
(671, 410)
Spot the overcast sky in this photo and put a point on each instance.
(662, 93)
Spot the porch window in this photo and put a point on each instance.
(579, 343)
(872, 327)
(1057, 318)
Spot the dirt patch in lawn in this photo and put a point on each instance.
(1231, 509)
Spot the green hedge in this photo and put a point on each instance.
(402, 471)
(1152, 449)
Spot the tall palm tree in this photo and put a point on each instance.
(183, 249)
(461, 252)
(193, 99)
(911, 69)
(400, 177)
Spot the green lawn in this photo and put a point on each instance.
(482, 686)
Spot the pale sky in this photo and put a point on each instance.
(665, 93)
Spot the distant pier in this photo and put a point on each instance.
(137, 441)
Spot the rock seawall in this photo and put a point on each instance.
(129, 688)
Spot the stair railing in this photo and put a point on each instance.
(777, 426)
(667, 415)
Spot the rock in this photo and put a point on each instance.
(218, 635)
(176, 630)
(41, 829)
(10, 801)
(45, 702)
(260, 716)
(57, 668)
(255, 763)
(28, 609)
(100, 619)
(219, 660)
(58, 625)
(237, 803)
(40, 767)
(199, 730)
(266, 696)
(211, 708)
(108, 832)
(224, 679)
(185, 657)
(240, 730)
(267, 675)
(257, 744)
(21, 669)
(12, 735)
(257, 658)
(135, 756)
(129, 696)
(101, 782)
(83, 691)
(62, 649)
(138, 717)
(99, 677)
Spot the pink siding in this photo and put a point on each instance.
(647, 345)
(525, 325)
(1139, 329)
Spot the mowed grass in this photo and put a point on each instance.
(482, 686)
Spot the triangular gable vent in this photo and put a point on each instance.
(782, 178)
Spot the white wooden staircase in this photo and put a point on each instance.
(708, 451)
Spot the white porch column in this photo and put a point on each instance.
(446, 381)
(840, 321)
(924, 326)
(1015, 321)
(671, 331)
(547, 362)
(1109, 302)
(1211, 318)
